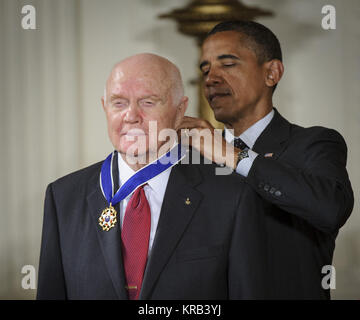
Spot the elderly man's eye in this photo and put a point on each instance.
(147, 103)
(119, 103)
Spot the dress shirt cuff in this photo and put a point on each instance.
(245, 164)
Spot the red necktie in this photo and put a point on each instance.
(135, 241)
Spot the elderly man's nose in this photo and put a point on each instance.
(132, 113)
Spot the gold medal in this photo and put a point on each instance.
(107, 218)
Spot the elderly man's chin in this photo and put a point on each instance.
(132, 149)
(136, 153)
(141, 151)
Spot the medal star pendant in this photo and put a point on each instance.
(107, 218)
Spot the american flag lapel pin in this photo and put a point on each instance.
(268, 155)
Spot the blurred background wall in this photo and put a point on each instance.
(52, 79)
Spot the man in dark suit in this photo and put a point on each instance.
(300, 173)
(182, 233)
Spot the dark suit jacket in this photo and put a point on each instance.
(214, 248)
(308, 197)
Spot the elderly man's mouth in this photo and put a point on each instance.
(134, 133)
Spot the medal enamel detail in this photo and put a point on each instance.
(107, 218)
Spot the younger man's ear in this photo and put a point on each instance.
(274, 71)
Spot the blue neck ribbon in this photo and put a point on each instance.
(140, 177)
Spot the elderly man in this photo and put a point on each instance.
(172, 230)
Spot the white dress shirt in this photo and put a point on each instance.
(249, 136)
(154, 192)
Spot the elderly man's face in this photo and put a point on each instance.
(135, 95)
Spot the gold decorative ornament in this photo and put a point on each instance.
(107, 218)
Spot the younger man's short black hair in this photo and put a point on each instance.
(260, 39)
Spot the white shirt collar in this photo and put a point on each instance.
(157, 184)
(250, 135)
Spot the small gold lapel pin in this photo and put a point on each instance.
(187, 201)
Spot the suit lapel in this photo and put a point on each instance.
(274, 138)
(110, 241)
(176, 213)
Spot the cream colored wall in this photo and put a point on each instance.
(39, 123)
(52, 79)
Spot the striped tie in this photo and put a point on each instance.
(238, 143)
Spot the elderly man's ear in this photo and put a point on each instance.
(181, 109)
(103, 102)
